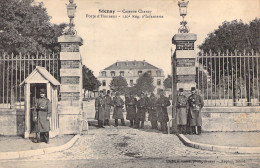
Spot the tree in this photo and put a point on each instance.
(234, 35)
(25, 27)
(118, 84)
(167, 83)
(90, 82)
(144, 83)
(230, 39)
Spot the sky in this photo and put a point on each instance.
(107, 40)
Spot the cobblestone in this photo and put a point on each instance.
(126, 143)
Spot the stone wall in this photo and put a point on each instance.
(230, 119)
(12, 122)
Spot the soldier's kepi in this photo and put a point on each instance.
(195, 103)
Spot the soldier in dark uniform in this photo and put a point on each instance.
(153, 116)
(162, 104)
(141, 109)
(130, 104)
(195, 103)
(42, 117)
(118, 104)
(108, 104)
(100, 109)
(181, 112)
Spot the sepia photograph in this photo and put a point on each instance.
(129, 83)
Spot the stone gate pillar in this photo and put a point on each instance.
(183, 66)
(71, 84)
(184, 59)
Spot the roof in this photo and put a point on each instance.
(124, 65)
(40, 75)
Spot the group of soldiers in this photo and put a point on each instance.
(136, 109)
(188, 110)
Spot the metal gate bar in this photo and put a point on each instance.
(16, 68)
(229, 78)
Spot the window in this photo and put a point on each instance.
(158, 73)
(104, 83)
(122, 73)
(140, 73)
(112, 73)
(131, 83)
(104, 74)
(158, 82)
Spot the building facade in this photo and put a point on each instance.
(130, 70)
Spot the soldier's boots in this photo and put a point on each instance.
(154, 124)
(137, 124)
(107, 122)
(196, 130)
(116, 122)
(123, 122)
(100, 124)
(181, 129)
(131, 123)
(199, 130)
(193, 130)
(142, 124)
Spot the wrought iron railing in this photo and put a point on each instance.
(15, 68)
(229, 79)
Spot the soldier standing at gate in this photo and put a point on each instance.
(195, 103)
(163, 117)
(42, 117)
(130, 104)
(118, 104)
(181, 112)
(141, 109)
(108, 104)
(100, 109)
(153, 116)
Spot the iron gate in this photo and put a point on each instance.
(229, 79)
(15, 68)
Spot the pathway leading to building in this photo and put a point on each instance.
(128, 147)
(126, 143)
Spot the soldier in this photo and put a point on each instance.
(118, 104)
(141, 109)
(163, 117)
(195, 103)
(153, 116)
(42, 118)
(108, 104)
(100, 109)
(181, 112)
(130, 104)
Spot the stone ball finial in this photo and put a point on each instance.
(71, 1)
